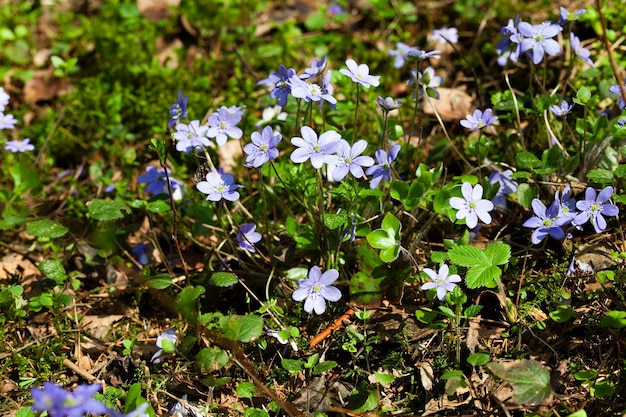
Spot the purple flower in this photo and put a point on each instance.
(219, 186)
(316, 68)
(472, 206)
(263, 147)
(416, 54)
(425, 81)
(335, 9)
(4, 99)
(616, 90)
(537, 40)
(478, 120)
(310, 91)
(59, 402)
(16, 145)
(382, 170)
(446, 35)
(567, 204)
(280, 81)
(191, 136)
(223, 124)
(577, 267)
(565, 15)
(561, 110)
(582, 53)
(178, 110)
(510, 36)
(360, 74)
(236, 113)
(7, 121)
(400, 54)
(310, 147)
(507, 186)
(348, 159)
(317, 289)
(388, 103)
(166, 342)
(248, 236)
(156, 182)
(443, 282)
(546, 221)
(593, 208)
(141, 254)
(327, 92)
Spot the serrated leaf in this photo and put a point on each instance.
(467, 255)
(54, 270)
(46, 228)
(529, 379)
(107, 209)
(160, 281)
(483, 276)
(498, 253)
(223, 279)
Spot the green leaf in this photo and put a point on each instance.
(614, 319)
(107, 210)
(381, 239)
(223, 279)
(334, 221)
(583, 95)
(562, 314)
(390, 254)
(54, 270)
(620, 171)
(527, 161)
(384, 378)
(498, 253)
(529, 379)
(242, 328)
(186, 302)
(391, 225)
(399, 190)
(245, 389)
(159, 206)
(478, 359)
(483, 276)
(600, 176)
(526, 194)
(364, 398)
(160, 281)
(46, 228)
(293, 366)
(322, 367)
(168, 346)
(467, 255)
(579, 413)
(211, 359)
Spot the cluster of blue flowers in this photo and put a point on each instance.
(565, 210)
(8, 122)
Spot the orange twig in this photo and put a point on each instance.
(336, 325)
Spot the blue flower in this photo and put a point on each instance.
(615, 89)
(248, 236)
(427, 82)
(507, 186)
(388, 103)
(382, 170)
(156, 182)
(510, 36)
(446, 35)
(360, 74)
(316, 289)
(16, 145)
(582, 53)
(4, 99)
(316, 68)
(141, 254)
(219, 186)
(441, 281)
(280, 81)
(349, 159)
(472, 206)
(565, 15)
(479, 119)
(309, 146)
(594, 207)
(310, 91)
(7, 121)
(223, 124)
(166, 342)
(546, 221)
(537, 40)
(178, 110)
(263, 147)
(191, 136)
(561, 110)
(416, 54)
(59, 402)
(400, 54)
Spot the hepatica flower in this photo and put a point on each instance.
(156, 182)
(191, 136)
(594, 207)
(546, 221)
(4, 99)
(316, 289)
(166, 342)
(537, 40)
(507, 186)
(382, 170)
(615, 89)
(178, 110)
(318, 150)
(400, 54)
(472, 206)
(248, 236)
(509, 45)
(446, 35)
(441, 281)
(219, 186)
(263, 147)
(349, 159)
(360, 74)
(280, 81)
(59, 402)
(310, 91)
(7, 121)
(582, 53)
(223, 124)
(427, 82)
(388, 103)
(562, 110)
(478, 120)
(17, 145)
(316, 68)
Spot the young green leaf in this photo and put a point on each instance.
(46, 228)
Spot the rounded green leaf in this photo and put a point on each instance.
(46, 228)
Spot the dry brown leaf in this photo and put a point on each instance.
(156, 10)
(453, 104)
(16, 264)
(44, 86)
(99, 326)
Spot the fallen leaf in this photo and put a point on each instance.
(453, 104)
